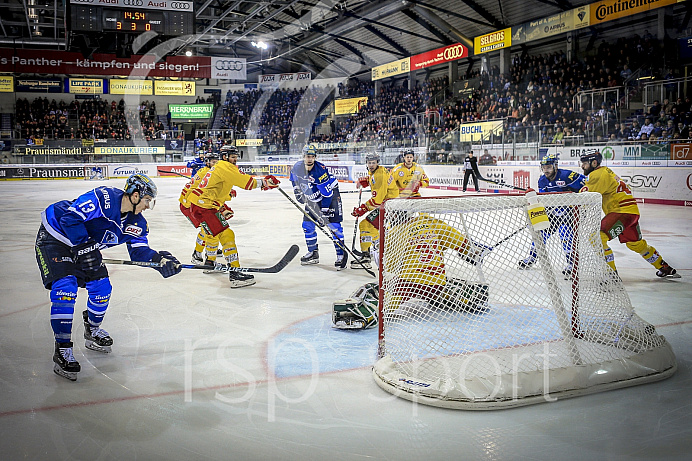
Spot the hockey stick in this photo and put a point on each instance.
(288, 257)
(329, 234)
(355, 228)
(501, 183)
(173, 172)
(353, 192)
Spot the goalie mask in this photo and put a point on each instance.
(359, 311)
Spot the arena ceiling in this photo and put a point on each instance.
(305, 34)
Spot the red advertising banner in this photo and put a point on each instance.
(681, 151)
(174, 170)
(439, 56)
(20, 61)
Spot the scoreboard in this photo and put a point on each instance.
(132, 16)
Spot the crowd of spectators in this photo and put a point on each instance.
(88, 119)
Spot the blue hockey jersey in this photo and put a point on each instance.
(195, 164)
(565, 181)
(96, 215)
(316, 185)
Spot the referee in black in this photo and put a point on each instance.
(471, 169)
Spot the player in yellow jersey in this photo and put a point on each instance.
(209, 210)
(409, 176)
(204, 242)
(621, 214)
(382, 187)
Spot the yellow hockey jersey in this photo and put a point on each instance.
(423, 241)
(382, 187)
(617, 196)
(215, 188)
(404, 176)
(192, 184)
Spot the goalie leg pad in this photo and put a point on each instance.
(468, 297)
(358, 312)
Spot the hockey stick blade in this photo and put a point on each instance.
(288, 257)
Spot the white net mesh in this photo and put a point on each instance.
(479, 310)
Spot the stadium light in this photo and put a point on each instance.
(260, 44)
(188, 53)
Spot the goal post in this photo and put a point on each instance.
(480, 311)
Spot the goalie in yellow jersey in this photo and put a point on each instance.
(409, 176)
(416, 273)
(382, 187)
(621, 214)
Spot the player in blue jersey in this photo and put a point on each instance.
(197, 163)
(68, 245)
(314, 186)
(554, 179)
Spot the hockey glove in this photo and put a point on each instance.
(233, 194)
(359, 211)
(300, 197)
(363, 181)
(87, 256)
(226, 212)
(416, 186)
(171, 265)
(269, 182)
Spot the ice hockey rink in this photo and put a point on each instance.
(203, 372)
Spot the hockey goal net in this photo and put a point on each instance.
(96, 172)
(480, 311)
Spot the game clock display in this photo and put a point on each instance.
(87, 18)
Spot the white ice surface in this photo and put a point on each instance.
(201, 372)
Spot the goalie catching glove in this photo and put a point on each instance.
(359, 311)
(269, 182)
(171, 265)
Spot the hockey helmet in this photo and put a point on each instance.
(550, 159)
(229, 150)
(309, 149)
(372, 156)
(141, 183)
(592, 154)
(406, 152)
(213, 156)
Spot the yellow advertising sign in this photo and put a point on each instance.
(582, 16)
(469, 132)
(349, 106)
(86, 85)
(607, 10)
(248, 142)
(6, 84)
(391, 69)
(492, 41)
(130, 86)
(166, 88)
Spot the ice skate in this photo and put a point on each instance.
(312, 257)
(361, 263)
(96, 338)
(197, 258)
(240, 279)
(667, 272)
(65, 363)
(341, 261)
(527, 262)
